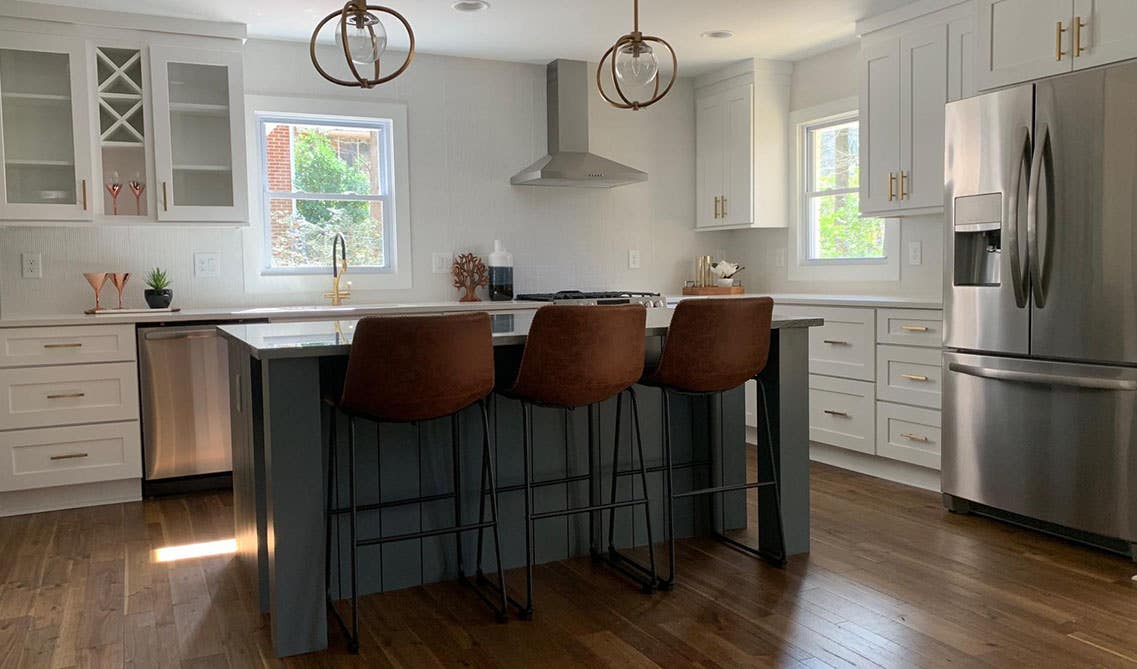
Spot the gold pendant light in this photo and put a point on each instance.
(634, 62)
(363, 38)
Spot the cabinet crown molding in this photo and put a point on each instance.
(19, 9)
(911, 12)
(761, 70)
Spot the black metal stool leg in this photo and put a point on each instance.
(780, 557)
(643, 483)
(668, 496)
(615, 473)
(487, 466)
(353, 642)
(530, 557)
(330, 516)
(645, 576)
(455, 442)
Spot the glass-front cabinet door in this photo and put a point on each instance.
(45, 137)
(199, 134)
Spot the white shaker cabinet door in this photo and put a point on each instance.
(880, 123)
(1105, 31)
(923, 93)
(709, 126)
(1022, 40)
(963, 51)
(737, 207)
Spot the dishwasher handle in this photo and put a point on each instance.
(158, 335)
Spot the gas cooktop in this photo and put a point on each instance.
(647, 299)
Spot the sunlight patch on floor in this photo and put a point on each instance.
(188, 551)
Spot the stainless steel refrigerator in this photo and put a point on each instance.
(1040, 389)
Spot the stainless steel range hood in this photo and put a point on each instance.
(569, 162)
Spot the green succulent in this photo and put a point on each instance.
(156, 279)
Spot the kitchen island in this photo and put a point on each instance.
(280, 371)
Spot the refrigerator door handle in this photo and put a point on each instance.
(1085, 382)
(1018, 267)
(1034, 257)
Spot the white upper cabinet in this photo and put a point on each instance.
(45, 143)
(909, 70)
(1030, 39)
(199, 134)
(741, 117)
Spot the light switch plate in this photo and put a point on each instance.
(633, 258)
(915, 253)
(440, 263)
(31, 265)
(206, 264)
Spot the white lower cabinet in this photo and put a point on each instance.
(58, 456)
(909, 375)
(908, 434)
(841, 413)
(67, 395)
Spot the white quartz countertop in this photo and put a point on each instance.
(822, 300)
(282, 313)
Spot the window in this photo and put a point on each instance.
(833, 241)
(322, 176)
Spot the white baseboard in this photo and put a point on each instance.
(871, 465)
(19, 502)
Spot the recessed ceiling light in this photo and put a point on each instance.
(717, 34)
(470, 5)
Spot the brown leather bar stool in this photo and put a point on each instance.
(716, 345)
(579, 356)
(408, 369)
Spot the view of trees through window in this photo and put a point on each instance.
(321, 180)
(837, 230)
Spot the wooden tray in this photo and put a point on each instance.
(714, 290)
(115, 312)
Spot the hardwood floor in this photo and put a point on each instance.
(892, 581)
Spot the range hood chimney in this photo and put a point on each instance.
(569, 162)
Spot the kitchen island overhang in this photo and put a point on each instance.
(280, 372)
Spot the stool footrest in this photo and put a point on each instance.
(588, 509)
(722, 488)
(398, 502)
(425, 533)
(775, 560)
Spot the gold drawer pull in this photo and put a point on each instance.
(914, 328)
(1058, 52)
(66, 396)
(835, 342)
(834, 412)
(915, 437)
(68, 345)
(69, 456)
(914, 377)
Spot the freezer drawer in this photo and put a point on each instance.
(1051, 441)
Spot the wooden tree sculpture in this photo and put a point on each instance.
(470, 273)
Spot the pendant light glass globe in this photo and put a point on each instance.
(366, 37)
(636, 64)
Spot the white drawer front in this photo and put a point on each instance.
(841, 413)
(68, 455)
(908, 434)
(910, 327)
(65, 345)
(843, 346)
(909, 375)
(46, 396)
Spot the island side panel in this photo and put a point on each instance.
(294, 503)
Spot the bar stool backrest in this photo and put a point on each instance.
(579, 355)
(715, 344)
(408, 368)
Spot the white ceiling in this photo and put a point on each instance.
(541, 30)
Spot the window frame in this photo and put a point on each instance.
(313, 282)
(385, 196)
(803, 266)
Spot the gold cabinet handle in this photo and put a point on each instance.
(903, 195)
(74, 344)
(891, 186)
(69, 456)
(716, 206)
(915, 377)
(914, 328)
(724, 206)
(1058, 52)
(1078, 25)
(915, 437)
(835, 342)
(834, 412)
(83, 186)
(66, 396)
(165, 204)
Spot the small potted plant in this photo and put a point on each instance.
(158, 293)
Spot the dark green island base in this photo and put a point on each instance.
(279, 372)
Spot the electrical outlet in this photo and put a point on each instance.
(780, 258)
(440, 263)
(633, 258)
(915, 253)
(206, 264)
(31, 265)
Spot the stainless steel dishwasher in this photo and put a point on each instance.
(184, 374)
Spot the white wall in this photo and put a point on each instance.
(472, 125)
(823, 78)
